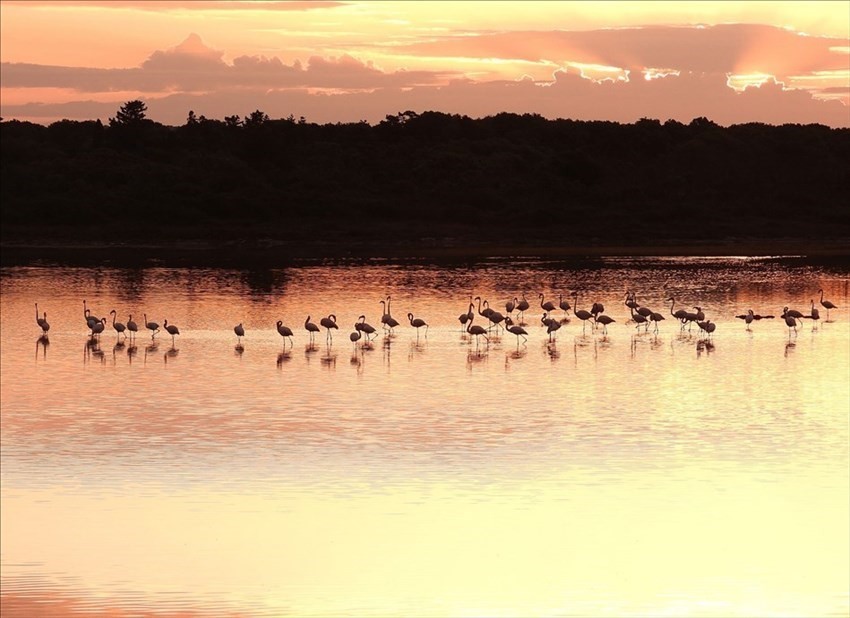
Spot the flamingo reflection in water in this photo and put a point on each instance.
(132, 351)
(328, 359)
(92, 350)
(172, 352)
(150, 348)
(284, 357)
(42, 342)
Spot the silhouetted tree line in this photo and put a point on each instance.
(425, 174)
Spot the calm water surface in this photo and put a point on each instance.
(620, 475)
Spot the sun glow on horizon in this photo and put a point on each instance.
(417, 48)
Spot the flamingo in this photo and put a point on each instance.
(98, 327)
(44, 325)
(496, 318)
(605, 320)
(355, 337)
(478, 331)
(42, 322)
(522, 306)
(391, 321)
(509, 306)
(385, 316)
(639, 319)
(748, 317)
(285, 331)
(826, 304)
(463, 318)
(596, 309)
(548, 306)
(485, 312)
(417, 323)
(311, 328)
(563, 305)
(240, 332)
(551, 324)
(171, 329)
(679, 314)
(118, 326)
(132, 326)
(581, 314)
(644, 311)
(363, 326)
(704, 325)
(814, 314)
(792, 312)
(90, 319)
(630, 301)
(708, 326)
(151, 326)
(38, 319)
(656, 317)
(790, 322)
(689, 319)
(519, 331)
(329, 323)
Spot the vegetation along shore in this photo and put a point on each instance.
(420, 183)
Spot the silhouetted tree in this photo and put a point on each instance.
(232, 121)
(131, 113)
(256, 118)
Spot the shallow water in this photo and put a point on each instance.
(426, 474)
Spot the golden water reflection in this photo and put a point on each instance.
(622, 474)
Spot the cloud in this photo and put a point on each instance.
(725, 48)
(194, 76)
(194, 67)
(682, 98)
(184, 5)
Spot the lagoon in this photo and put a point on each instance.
(625, 474)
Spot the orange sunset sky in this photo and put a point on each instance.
(346, 61)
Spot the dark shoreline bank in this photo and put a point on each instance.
(229, 250)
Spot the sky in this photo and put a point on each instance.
(351, 61)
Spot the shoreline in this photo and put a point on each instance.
(267, 251)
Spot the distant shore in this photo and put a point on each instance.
(21, 247)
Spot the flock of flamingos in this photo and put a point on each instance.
(640, 315)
